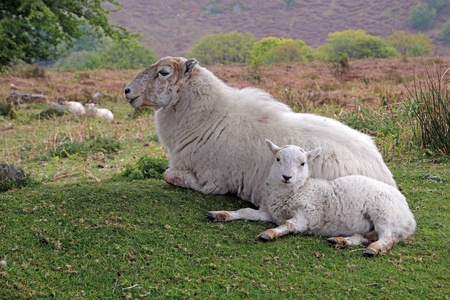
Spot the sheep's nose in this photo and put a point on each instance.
(286, 178)
(127, 90)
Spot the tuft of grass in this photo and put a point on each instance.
(68, 149)
(429, 112)
(7, 184)
(50, 113)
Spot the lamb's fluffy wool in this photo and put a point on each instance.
(215, 133)
(73, 106)
(99, 112)
(355, 206)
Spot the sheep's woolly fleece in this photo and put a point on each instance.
(215, 133)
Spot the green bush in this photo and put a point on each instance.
(355, 45)
(409, 44)
(223, 48)
(7, 184)
(272, 49)
(445, 37)
(421, 16)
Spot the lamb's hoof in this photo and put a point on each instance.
(263, 238)
(332, 242)
(338, 243)
(210, 217)
(369, 253)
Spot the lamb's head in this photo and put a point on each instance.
(91, 106)
(62, 101)
(159, 85)
(291, 164)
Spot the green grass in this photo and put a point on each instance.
(80, 228)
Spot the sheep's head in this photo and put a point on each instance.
(62, 101)
(291, 164)
(158, 85)
(91, 106)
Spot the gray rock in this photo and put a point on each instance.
(22, 98)
(11, 172)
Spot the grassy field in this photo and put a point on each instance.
(78, 228)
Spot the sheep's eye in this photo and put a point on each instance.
(278, 159)
(302, 164)
(163, 72)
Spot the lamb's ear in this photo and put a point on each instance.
(189, 66)
(272, 147)
(313, 153)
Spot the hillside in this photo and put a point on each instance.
(172, 27)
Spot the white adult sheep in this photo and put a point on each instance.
(99, 112)
(360, 208)
(214, 133)
(75, 107)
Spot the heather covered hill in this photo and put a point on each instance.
(172, 27)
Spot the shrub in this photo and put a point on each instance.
(409, 44)
(272, 49)
(7, 184)
(445, 37)
(50, 113)
(421, 16)
(223, 48)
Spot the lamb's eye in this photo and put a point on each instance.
(278, 159)
(302, 164)
(163, 72)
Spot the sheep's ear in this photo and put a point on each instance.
(313, 153)
(189, 66)
(272, 147)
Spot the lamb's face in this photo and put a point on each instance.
(158, 85)
(91, 106)
(291, 164)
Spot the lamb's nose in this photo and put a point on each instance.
(286, 178)
(127, 90)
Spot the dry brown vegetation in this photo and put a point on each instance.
(370, 82)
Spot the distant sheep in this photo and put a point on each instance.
(99, 112)
(214, 133)
(75, 107)
(359, 208)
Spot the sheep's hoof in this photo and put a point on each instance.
(210, 217)
(369, 253)
(263, 238)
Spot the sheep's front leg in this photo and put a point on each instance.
(241, 214)
(294, 225)
(188, 180)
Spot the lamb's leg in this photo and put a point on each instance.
(385, 243)
(241, 214)
(294, 225)
(188, 180)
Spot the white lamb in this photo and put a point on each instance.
(360, 208)
(99, 112)
(75, 107)
(215, 133)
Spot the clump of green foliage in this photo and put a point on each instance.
(445, 37)
(7, 110)
(275, 50)
(421, 16)
(68, 149)
(409, 44)
(356, 44)
(429, 112)
(145, 167)
(49, 113)
(223, 48)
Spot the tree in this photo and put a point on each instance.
(223, 48)
(445, 37)
(132, 55)
(421, 16)
(408, 44)
(33, 29)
